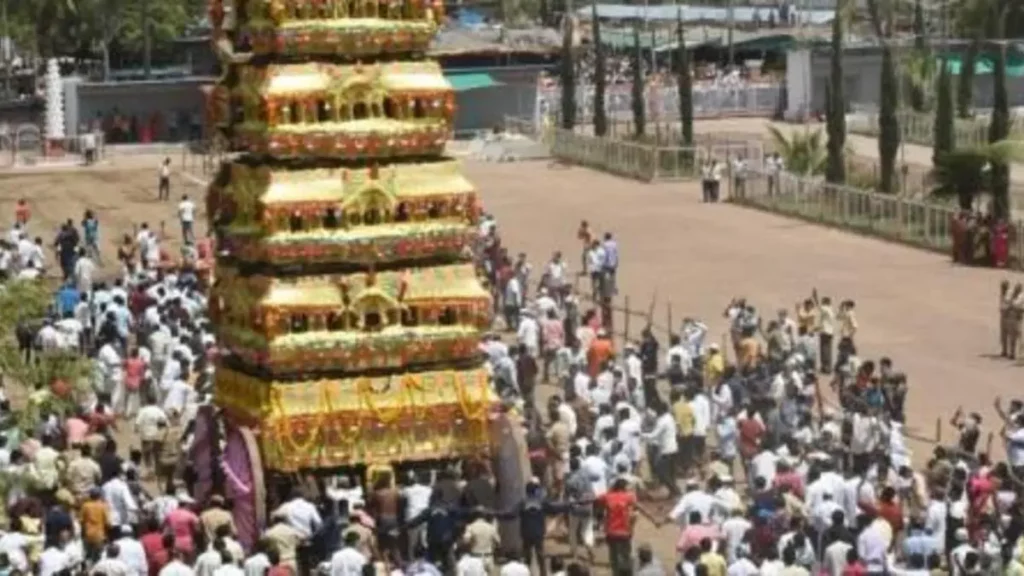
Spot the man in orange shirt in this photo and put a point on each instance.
(600, 351)
(95, 518)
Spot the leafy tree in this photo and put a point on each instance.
(600, 76)
(802, 152)
(836, 118)
(888, 123)
(24, 301)
(639, 107)
(568, 76)
(998, 130)
(684, 84)
(945, 135)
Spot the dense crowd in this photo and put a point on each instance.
(730, 442)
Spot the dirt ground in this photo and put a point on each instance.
(937, 321)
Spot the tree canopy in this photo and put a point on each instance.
(81, 28)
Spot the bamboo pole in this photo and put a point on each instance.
(625, 322)
(669, 326)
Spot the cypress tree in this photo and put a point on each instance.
(568, 74)
(639, 108)
(600, 73)
(965, 83)
(836, 169)
(999, 129)
(918, 96)
(945, 140)
(888, 123)
(684, 84)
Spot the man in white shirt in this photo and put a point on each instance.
(663, 438)
(417, 498)
(112, 563)
(119, 499)
(150, 423)
(514, 568)
(701, 407)
(54, 559)
(694, 500)
(528, 333)
(348, 561)
(187, 217)
(132, 552)
(164, 186)
(301, 515)
(84, 271)
(469, 565)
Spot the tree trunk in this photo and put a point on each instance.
(568, 74)
(888, 123)
(105, 50)
(147, 41)
(639, 106)
(999, 129)
(918, 94)
(685, 86)
(945, 139)
(965, 83)
(600, 73)
(836, 169)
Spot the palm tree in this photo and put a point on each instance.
(803, 152)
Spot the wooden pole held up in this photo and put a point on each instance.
(626, 312)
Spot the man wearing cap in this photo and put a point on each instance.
(482, 539)
(215, 516)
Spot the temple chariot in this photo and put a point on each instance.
(346, 302)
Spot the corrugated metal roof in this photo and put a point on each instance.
(703, 13)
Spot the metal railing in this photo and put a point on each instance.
(913, 222)
(918, 128)
(647, 162)
(662, 101)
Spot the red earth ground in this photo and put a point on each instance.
(937, 321)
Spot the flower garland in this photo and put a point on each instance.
(285, 429)
(466, 403)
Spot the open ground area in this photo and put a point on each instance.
(937, 321)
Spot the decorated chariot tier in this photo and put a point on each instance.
(351, 323)
(324, 28)
(351, 112)
(360, 216)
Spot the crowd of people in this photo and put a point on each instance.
(729, 443)
(773, 480)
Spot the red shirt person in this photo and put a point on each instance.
(620, 511)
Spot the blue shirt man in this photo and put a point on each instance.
(68, 298)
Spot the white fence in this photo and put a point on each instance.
(918, 128)
(662, 101)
